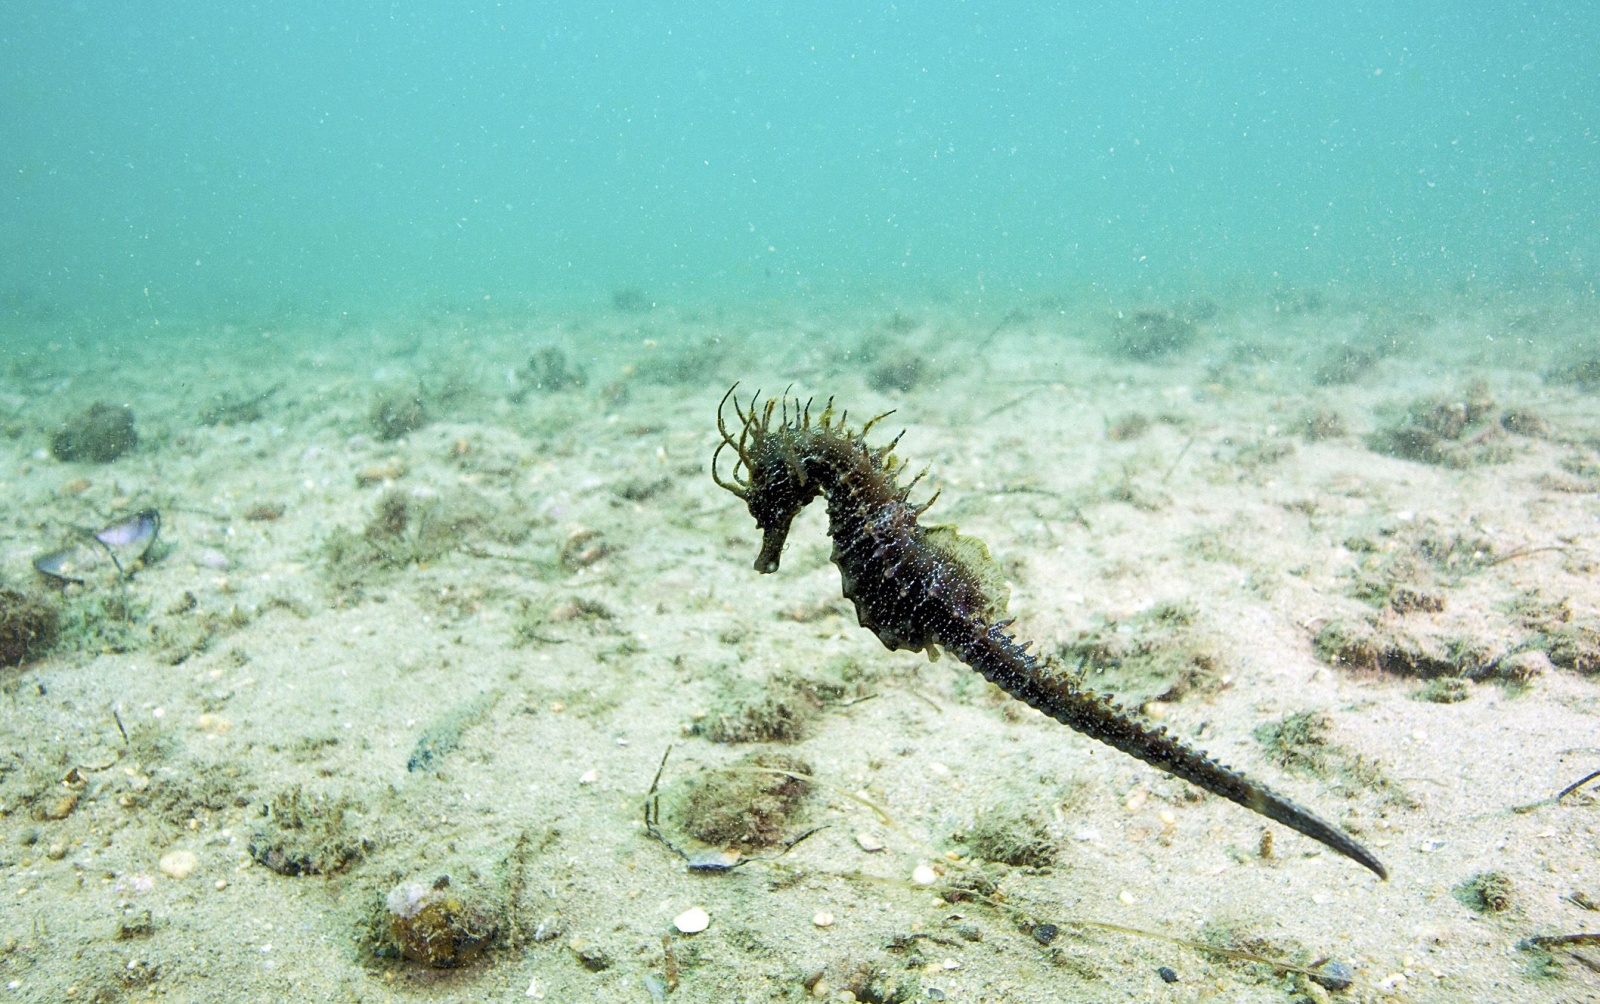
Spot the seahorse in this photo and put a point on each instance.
(927, 588)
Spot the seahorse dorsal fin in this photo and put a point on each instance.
(973, 555)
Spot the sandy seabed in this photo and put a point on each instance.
(432, 597)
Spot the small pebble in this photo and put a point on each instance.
(1045, 933)
(213, 724)
(179, 864)
(692, 921)
(924, 875)
(868, 842)
(213, 559)
(822, 918)
(589, 776)
(1335, 975)
(1167, 974)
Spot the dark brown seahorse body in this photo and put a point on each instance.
(921, 588)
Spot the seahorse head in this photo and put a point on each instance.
(767, 471)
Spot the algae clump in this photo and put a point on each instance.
(99, 434)
(306, 835)
(747, 804)
(436, 925)
(1010, 835)
(395, 413)
(28, 627)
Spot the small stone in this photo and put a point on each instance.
(590, 955)
(56, 851)
(209, 557)
(589, 776)
(822, 918)
(378, 473)
(1167, 974)
(62, 807)
(1045, 933)
(924, 875)
(1335, 975)
(692, 921)
(179, 864)
(868, 842)
(213, 724)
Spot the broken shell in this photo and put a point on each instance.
(70, 564)
(140, 528)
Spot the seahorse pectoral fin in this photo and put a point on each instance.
(973, 556)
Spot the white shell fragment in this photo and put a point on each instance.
(692, 921)
(822, 919)
(924, 875)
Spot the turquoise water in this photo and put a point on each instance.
(221, 161)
